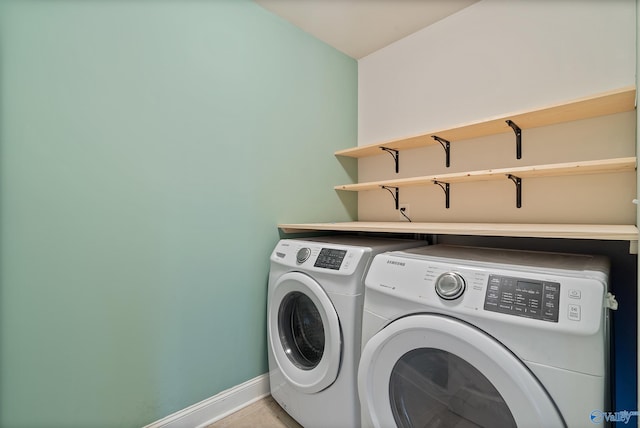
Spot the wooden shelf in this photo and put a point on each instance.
(551, 170)
(611, 102)
(599, 105)
(566, 231)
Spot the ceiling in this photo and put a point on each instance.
(360, 27)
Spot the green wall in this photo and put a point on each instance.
(148, 149)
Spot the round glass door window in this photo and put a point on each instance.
(435, 388)
(301, 330)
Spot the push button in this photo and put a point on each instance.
(574, 294)
(574, 312)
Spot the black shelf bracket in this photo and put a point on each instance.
(396, 195)
(446, 145)
(395, 155)
(518, 133)
(518, 183)
(445, 188)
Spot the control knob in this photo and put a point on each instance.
(302, 255)
(450, 285)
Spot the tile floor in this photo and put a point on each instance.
(264, 413)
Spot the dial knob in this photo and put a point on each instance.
(450, 285)
(302, 255)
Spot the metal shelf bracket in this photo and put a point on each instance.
(518, 133)
(445, 188)
(518, 183)
(446, 145)
(395, 154)
(396, 195)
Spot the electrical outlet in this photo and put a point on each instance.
(404, 208)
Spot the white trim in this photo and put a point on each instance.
(217, 407)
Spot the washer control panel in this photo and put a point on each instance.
(330, 258)
(523, 297)
(482, 286)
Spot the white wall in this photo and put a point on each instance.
(494, 58)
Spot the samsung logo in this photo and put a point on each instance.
(393, 262)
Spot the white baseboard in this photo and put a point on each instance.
(217, 407)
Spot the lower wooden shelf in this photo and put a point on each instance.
(567, 231)
(534, 171)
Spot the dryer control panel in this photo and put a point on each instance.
(523, 297)
(330, 258)
(320, 257)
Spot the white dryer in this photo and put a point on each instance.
(477, 337)
(314, 316)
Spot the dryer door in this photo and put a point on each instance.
(437, 371)
(304, 332)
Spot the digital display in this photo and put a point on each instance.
(330, 258)
(523, 297)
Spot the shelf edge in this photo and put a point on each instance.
(564, 231)
(599, 166)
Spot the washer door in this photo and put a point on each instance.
(436, 371)
(304, 332)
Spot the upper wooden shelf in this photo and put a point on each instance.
(567, 231)
(611, 102)
(559, 169)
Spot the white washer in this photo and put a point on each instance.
(468, 337)
(314, 316)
